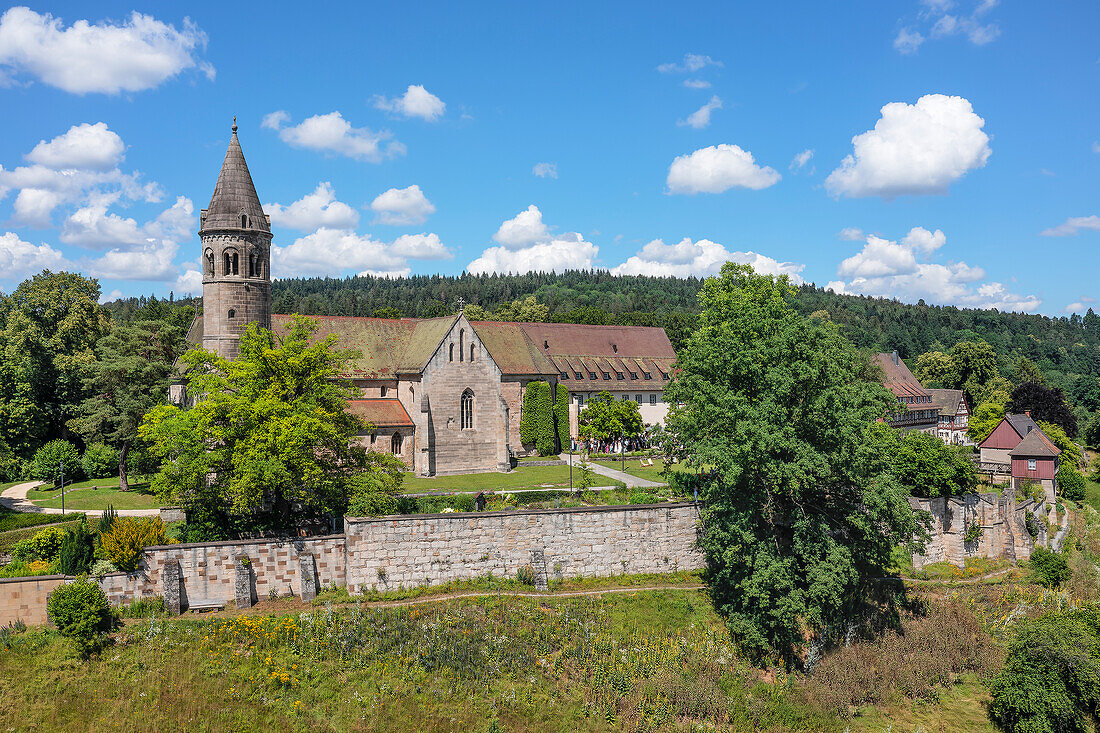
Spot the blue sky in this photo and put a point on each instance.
(937, 149)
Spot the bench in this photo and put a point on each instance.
(198, 605)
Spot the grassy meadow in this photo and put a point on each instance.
(95, 494)
(657, 660)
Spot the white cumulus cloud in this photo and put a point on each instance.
(528, 245)
(1073, 225)
(416, 102)
(716, 169)
(700, 118)
(18, 258)
(850, 234)
(107, 58)
(914, 149)
(420, 247)
(91, 147)
(336, 251)
(701, 258)
(545, 170)
(908, 40)
(696, 83)
(402, 206)
(331, 133)
(313, 211)
(900, 269)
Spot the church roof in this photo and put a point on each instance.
(234, 194)
(381, 413)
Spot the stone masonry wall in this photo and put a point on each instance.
(24, 599)
(1004, 533)
(390, 552)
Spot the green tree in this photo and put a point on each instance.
(800, 516)
(49, 459)
(937, 370)
(1071, 452)
(129, 378)
(77, 552)
(376, 489)
(1047, 404)
(975, 365)
(46, 348)
(386, 313)
(606, 418)
(1051, 678)
(1027, 371)
(561, 415)
(528, 415)
(986, 416)
(546, 439)
(269, 433)
(928, 468)
(1091, 435)
(99, 461)
(529, 310)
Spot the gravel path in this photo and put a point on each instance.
(15, 498)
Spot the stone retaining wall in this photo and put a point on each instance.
(24, 599)
(403, 551)
(1002, 519)
(397, 551)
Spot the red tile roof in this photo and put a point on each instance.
(381, 413)
(898, 379)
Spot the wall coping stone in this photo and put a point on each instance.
(241, 543)
(523, 512)
(25, 578)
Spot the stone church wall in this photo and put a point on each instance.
(1004, 532)
(485, 446)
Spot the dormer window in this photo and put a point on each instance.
(615, 348)
(618, 375)
(606, 375)
(647, 375)
(592, 375)
(578, 375)
(634, 375)
(565, 375)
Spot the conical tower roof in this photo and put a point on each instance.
(234, 194)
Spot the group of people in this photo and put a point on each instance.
(609, 447)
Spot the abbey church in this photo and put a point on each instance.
(443, 394)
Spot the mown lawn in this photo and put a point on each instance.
(522, 477)
(651, 473)
(644, 660)
(95, 494)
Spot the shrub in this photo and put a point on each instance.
(1071, 482)
(926, 652)
(100, 461)
(20, 569)
(1049, 568)
(107, 519)
(528, 415)
(1031, 525)
(128, 537)
(586, 477)
(973, 532)
(47, 461)
(81, 613)
(644, 497)
(561, 415)
(77, 550)
(1051, 679)
(45, 545)
(102, 567)
(526, 575)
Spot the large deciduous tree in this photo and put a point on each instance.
(129, 378)
(1047, 404)
(801, 512)
(47, 346)
(269, 434)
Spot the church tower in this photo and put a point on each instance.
(236, 257)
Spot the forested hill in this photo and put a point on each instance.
(1063, 348)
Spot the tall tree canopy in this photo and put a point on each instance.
(269, 433)
(1044, 403)
(47, 346)
(606, 418)
(130, 376)
(800, 510)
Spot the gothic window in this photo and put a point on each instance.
(461, 342)
(452, 352)
(209, 262)
(252, 263)
(471, 352)
(467, 410)
(395, 444)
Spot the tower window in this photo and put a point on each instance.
(467, 410)
(232, 313)
(235, 263)
(452, 352)
(209, 262)
(228, 263)
(244, 221)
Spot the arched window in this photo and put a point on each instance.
(244, 221)
(471, 352)
(235, 263)
(232, 313)
(467, 410)
(209, 262)
(252, 264)
(228, 264)
(395, 444)
(452, 352)
(461, 341)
